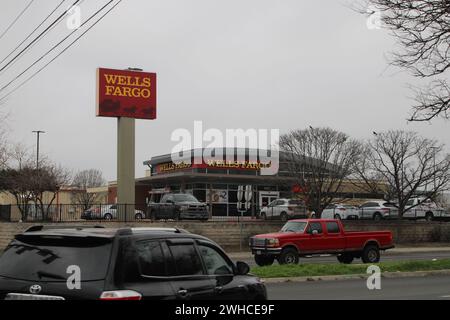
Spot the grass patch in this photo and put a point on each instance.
(310, 270)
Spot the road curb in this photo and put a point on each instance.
(357, 276)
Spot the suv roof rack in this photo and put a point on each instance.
(78, 227)
(156, 229)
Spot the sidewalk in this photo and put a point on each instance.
(425, 248)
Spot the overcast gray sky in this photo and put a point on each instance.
(232, 64)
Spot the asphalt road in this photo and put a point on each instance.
(423, 288)
(248, 258)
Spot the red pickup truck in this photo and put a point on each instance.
(308, 237)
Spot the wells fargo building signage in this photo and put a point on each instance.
(242, 165)
(124, 93)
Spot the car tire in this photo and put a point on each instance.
(138, 216)
(371, 254)
(288, 256)
(377, 216)
(263, 260)
(345, 258)
(429, 216)
(337, 217)
(108, 216)
(284, 216)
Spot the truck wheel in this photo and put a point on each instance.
(377, 216)
(288, 256)
(371, 254)
(284, 216)
(429, 216)
(345, 258)
(263, 260)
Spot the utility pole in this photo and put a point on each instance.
(38, 133)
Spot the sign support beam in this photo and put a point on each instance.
(126, 167)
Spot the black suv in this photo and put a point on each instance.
(121, 264)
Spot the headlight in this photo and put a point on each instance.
(272, 242)
(184, 208)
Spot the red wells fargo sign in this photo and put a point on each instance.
(124, 93)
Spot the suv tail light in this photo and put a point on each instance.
(342, 209)
(120, 295)
(385, 209)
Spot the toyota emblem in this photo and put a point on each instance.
(35, 289)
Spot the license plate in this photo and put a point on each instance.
(19, 296)
(258, 251)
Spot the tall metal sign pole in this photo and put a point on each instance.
(126, 95)
(126, 166)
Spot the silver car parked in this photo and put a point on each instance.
(378, 210)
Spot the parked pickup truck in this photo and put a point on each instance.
(299, 238)
(178, 206)
(420, 208)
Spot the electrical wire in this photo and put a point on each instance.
(54, 47)
(16, 19)
(35, 29)
(57, 56)
(39, 36)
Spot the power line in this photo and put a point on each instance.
(35, 29)
(39, 36)
(56, 57)
(16, 19)
(54, 47)
(51, 27)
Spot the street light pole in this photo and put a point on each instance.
(38, 133)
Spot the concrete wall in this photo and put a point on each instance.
(233, 236)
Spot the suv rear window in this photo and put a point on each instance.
(151, 258)
(186, 260)
(389, 205)
(41, 259)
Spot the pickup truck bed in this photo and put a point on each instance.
(313, 237)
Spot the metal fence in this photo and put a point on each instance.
(140, 212)
(387, 214)
(99, 212)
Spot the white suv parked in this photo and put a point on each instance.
(284, 209)
(340, 211)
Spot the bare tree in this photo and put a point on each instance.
(422, 30)
(4, 154)
(320, 160)
(16, 182)
(408, 164)
(82, 181)
(48, 179)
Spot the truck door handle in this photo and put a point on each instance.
(182, 293)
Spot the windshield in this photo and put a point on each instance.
(292, 226)
(185, 198)
(37, 261)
